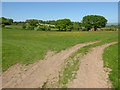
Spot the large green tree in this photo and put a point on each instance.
(64, 24)
(94, 21)
(31, 24)
(76, 26)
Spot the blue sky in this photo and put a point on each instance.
(60, 0)
(75, 11)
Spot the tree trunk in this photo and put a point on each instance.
(59, 28)
(88, 29)
(95, 28)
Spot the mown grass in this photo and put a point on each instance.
(110, 57)
(25, 46)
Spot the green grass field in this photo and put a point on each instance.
(110, 57)
(25, 46)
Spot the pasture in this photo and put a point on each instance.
(24, 46)
(73, 46)
(27, 46)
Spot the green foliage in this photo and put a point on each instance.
(19, 23)
(64, 24)
(3, 25)
(6, 21)
(24, 26)
(52, 22)
(94, 21)
(42, 28)
(77, 26)
(29, 26)
(37, 25)
(32, 22)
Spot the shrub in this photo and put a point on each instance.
(84, 29)
(3, 25)
(24, 26)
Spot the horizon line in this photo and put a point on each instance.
(47, 20)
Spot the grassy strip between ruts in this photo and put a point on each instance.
(110, 57)
(72, 64)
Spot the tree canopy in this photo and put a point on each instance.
(6, 21)
(64, 24)
(77, 26)
(32, 22)
(94, 21)
(88, 22)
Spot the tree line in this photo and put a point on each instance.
(89, 22)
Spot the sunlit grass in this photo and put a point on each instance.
(26, 47)
(110, 57)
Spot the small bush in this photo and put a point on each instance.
(84, 29)
(3, 25)
(24, 26)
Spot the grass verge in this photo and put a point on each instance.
(110, 57)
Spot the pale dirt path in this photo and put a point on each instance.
(91, 73)
(36, 74)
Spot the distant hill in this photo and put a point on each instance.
(108, 24)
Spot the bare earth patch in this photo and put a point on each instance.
(35, 75)
(91, 73)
